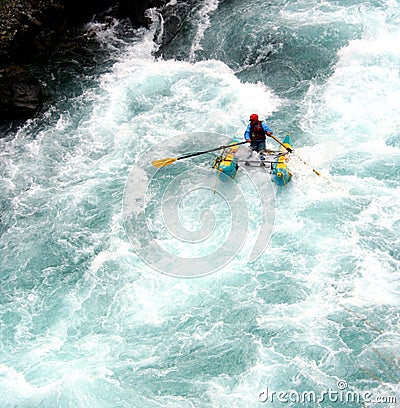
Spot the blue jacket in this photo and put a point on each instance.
(263, 124)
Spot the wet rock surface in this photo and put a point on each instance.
(34, 29)
(21, 94)
(27, 28)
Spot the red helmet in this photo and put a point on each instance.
(254, 116)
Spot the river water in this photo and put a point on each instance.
(294, 295)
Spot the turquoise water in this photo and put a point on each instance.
(307, 298)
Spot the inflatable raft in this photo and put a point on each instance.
(281, 174)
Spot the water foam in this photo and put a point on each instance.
(83, 319)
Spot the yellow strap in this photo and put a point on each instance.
(216, 181)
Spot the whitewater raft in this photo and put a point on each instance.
(275, 161)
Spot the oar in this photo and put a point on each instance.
(295, 154)
(169, 160)
(307, 164)
(327, 179)
(277, 140)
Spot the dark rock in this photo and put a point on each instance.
(21, 95)
(79, 12)
(135, 10)
(28, 27)
(30, 30)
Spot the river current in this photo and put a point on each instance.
(123, 286)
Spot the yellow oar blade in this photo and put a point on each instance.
(164, 162)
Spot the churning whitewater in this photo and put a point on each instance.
(296, 295)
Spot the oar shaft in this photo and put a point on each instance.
(307, 164)
(277, 140)
(169, 160)
(209, 151)
(304, 162)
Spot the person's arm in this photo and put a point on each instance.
(247, 133)
(267, 129)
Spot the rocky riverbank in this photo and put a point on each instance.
(32, 28)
